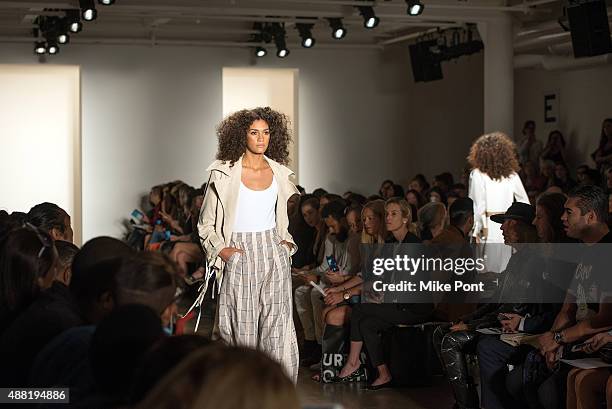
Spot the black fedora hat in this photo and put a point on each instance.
(518, 211)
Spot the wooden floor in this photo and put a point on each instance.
(353, 396)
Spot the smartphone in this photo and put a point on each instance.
(333, 265)
(502, 317)
(137, 216)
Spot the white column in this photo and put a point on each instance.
(497, 35)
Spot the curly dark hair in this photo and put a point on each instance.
(494, 154)
(232, 132)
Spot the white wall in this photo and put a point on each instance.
(275, 88)
(585, 100)
(149, 115)
(40, 138)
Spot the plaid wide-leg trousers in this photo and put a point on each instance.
(255, 302)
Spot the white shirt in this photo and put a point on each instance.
(256, 209)
(494, 196)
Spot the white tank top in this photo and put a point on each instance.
(256, 209)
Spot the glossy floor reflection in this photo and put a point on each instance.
(353, 396)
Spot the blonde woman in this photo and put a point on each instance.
(243, 230)
(494, 186)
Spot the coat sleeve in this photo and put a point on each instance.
(209, 238)
(520, 195)
(478, 195)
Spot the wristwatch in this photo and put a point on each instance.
(346, 295)
(558, 337)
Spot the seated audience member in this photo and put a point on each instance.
(436, 195)
(51, 313)
(555, 148)
(368, 320)
(328, 198)
(355, 199)
(303, 234)
(117, 349)
(419, 183)
(28, 260)
(459, 189)
(562, 178)
(603, 155)
(443, 181)
(66, 252)
(319, 192)
(585, 311)
(608, 174)
(495, 355)
(432, 219)
(343, 248)
(52, 219)
(415, 198)
(218, 377)
(307, 303)
(373, 232)
(589, 388)
(547, 170)
(529, 147)
(146, 278)
(353, 218)
(166, 354)
(387, 189)
(580, 173)
(454, 241)
(533, 181)
(455, 341)
(591, 177)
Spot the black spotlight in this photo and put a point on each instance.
(40, 47)
(88, 10)
(260, 52)
(278, 31)
(52, 47)
(369, 18)
(305, 31)
(106, 2)
(74, 21)
(415, 7)
(338, 30)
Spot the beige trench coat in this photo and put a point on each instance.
(219, 207)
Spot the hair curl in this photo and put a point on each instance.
(495, 155)
(232, 133)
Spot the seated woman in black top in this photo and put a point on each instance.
(368, 320)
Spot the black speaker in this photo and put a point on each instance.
(425, 65)
(590, 28)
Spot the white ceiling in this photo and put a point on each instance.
(229, 23)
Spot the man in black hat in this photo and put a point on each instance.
(516, 289)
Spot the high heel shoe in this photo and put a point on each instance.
(381, 386)
(357, 373)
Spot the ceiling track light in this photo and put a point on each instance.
(106, 2)
(279, 33)
(52, 47)
(369, 17)
(260, 52)
(415, 7)
(88, 10)
(73, 21)
(338, 30)
(305, 31)
(40, 47)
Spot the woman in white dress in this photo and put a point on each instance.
(494, 186)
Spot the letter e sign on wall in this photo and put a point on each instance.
(551, 107)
